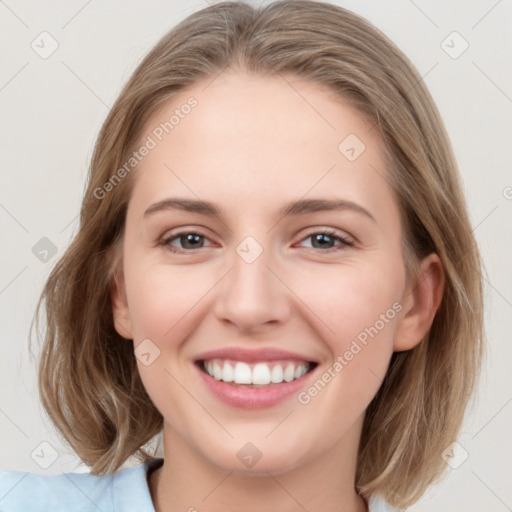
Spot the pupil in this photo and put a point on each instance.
(322, 239)
(191, 238)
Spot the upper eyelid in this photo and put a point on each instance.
(174, 236)
(334, 231)
(347, 241)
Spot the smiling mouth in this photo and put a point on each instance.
(255, 375)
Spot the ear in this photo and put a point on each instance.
(120, 310)
(421, 302)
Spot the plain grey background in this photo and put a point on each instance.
(52, 107)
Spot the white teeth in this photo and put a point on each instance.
(228, 374)
(289, 373)
(300, 371)
(242, 374)
(217, 371)
(277, 374)
(259, 374)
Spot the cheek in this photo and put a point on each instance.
(357, 315)
(161, 298)
(347, 301)
(164, 302)
(362, 311)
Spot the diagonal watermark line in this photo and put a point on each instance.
(486, 14)
(485, 426)
(13, 13)
(217, 486)
(69, 223)
(485, 218)
(95, 504)
(508, 508)
(280, 422)
(492, 81)
(300, 300)
(492, 286)
(76, 14)
(85, 84)
(14, 76)
(379, 378)
(198, 301)
(424, 13)
(384, 178)
(286, 491)
(12, 488)
(214, 78)
(422, 79)
(13, 423)
(193, 192)
(200, 404)
(14, 218)
(13, 279)
(497, 291)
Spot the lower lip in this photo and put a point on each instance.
(252, 398)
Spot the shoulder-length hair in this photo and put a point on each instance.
(88, 379)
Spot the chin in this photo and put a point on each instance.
(250, 460)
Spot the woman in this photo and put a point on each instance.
(274, 269)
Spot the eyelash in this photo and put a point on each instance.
(344, 242)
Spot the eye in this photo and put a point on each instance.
(326, 240)
(188, 240)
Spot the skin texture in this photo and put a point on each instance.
(251, 145)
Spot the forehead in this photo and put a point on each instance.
(248, 136)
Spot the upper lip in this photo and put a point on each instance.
(251, 355)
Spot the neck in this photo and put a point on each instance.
(188, 481)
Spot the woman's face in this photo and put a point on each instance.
(262, 240)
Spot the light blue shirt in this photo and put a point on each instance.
(124, 491)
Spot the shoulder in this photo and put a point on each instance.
(21, 491)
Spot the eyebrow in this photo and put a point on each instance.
(299, 207)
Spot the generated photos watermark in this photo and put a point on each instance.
(356, 346)
(151, 142)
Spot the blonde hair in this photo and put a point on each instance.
(88, 378)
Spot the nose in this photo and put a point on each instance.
(253, 297)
